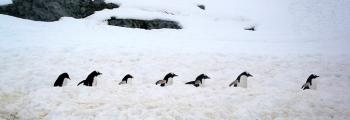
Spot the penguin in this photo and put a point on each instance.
(199, 80)
(241, 80)
(61, 80)
(126, 79)
(251, 28)
(168, 80)
(90, 80)
(309, 84)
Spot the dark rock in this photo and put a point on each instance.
(143, 24)
(201, 7)
(52, 10)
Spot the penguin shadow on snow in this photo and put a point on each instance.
(126, 80)
(90, 80)
(241, 80)
(200, 80)
(167, 80)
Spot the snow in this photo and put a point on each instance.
(281, 54)
(5, 2)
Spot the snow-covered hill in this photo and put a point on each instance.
(294, 38)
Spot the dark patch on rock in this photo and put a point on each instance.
(252, 28)
(53, 10)
(144, 24)
(201, 7)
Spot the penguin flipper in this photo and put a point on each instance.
(302, 87)
(234, 83)
(305, 86)
(231, 84)
(121, 83)
(191, 82)
(81, 82)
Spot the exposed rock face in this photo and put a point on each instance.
(143, 24)
(52, 10)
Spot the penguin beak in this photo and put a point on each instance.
(175, 75)
(249, 75)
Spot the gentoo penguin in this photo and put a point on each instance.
(199, 80)
(309, 84)
(61, 80)
(168, 80)
(126, 79)
(241, 80)
(90, 80)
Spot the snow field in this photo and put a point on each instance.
(291, 42)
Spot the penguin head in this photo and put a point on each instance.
(202, 76)
(127, 77)
(246, 74)
(312, 76)
(65, 75)
(169, 75)
(96, 73)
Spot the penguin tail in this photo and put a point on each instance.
(191, 82)
(81, 82)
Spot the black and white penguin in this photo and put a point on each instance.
(241, 80)
(62, 80)
(90, 80)
(309, 83)
(168, 80)
(200, 80)
(126, 79)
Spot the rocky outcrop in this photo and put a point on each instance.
(144, 24)
(52, 10)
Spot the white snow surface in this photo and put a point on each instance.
(294, 39)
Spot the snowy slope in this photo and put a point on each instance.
(285, 49)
